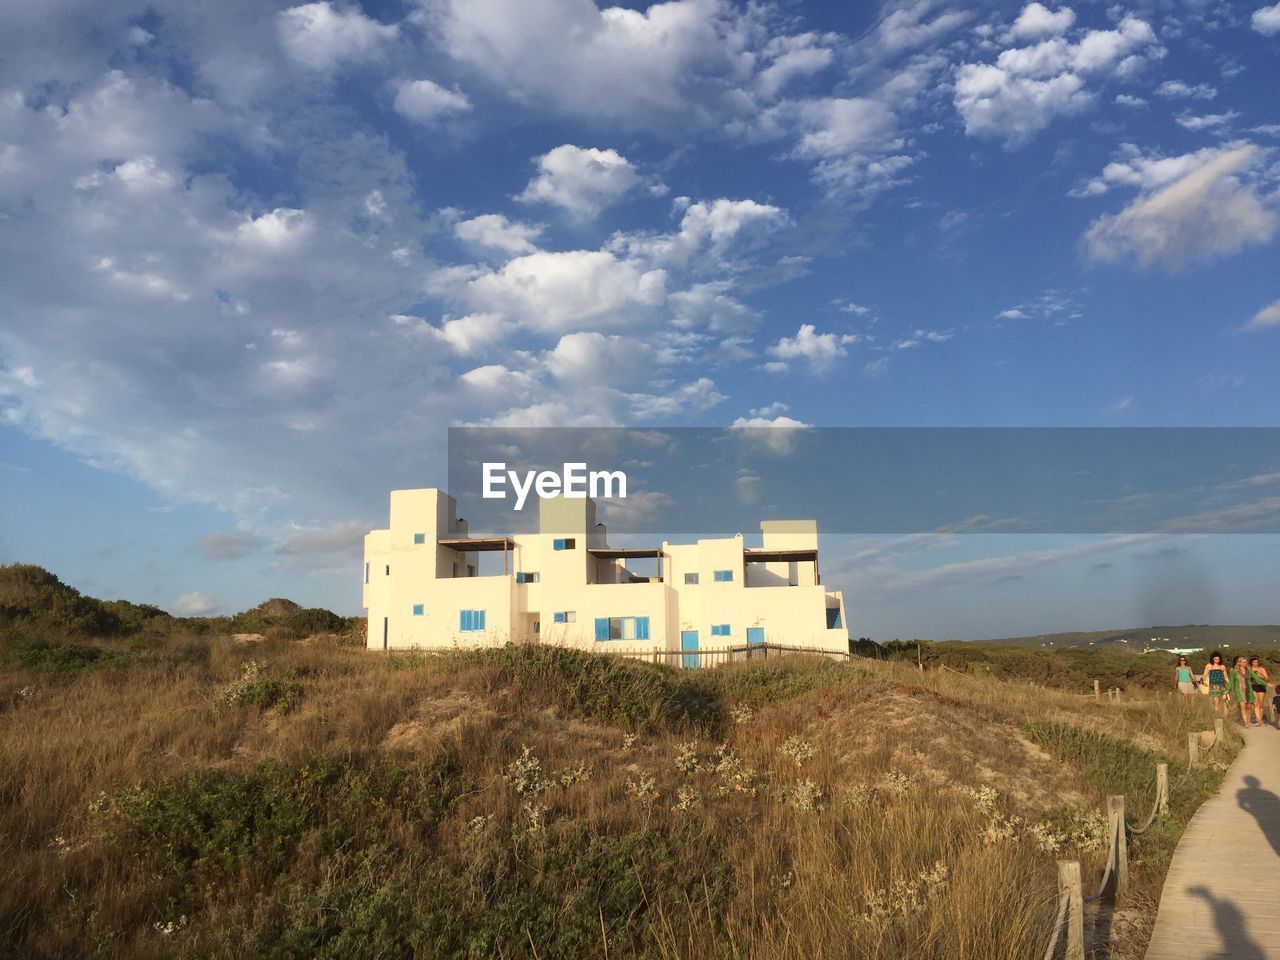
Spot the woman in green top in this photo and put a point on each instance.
(1183, 679)
(1215, 675)
(1241, 691)
(1258, 683)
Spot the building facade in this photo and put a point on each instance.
(425, 585)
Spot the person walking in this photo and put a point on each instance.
(1183, 679)
(1215, 675)
(1258, 684)
(1241, 690)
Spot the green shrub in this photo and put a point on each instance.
(597, 686)
(258, 687)
(68, 658)
(758, 684)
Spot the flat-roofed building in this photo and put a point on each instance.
(426, 586)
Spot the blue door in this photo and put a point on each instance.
(689, 641)
(755, 636)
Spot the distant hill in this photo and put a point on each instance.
(35, 606)
(1152, 638)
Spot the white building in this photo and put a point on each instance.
(423, 585)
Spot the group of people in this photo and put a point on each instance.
(1244, 684)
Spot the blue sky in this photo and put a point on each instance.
(257, 257)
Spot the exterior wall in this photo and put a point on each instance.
(404, 575)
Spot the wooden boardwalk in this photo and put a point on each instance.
(1221, 898)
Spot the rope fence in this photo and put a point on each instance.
(1068, 927)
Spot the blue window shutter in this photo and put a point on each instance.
(557, 543)
(755, 635)
(602, 628)
(642, 628)
(465, 618)
(419, 538)
(519, 577)
(480, 616)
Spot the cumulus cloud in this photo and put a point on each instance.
(819, 350)
(493, 231)
(1026, 87)
(320, 36)
(582, 180)
(425, 101)
(193, 604)
(1266, 20)
(1037, 21)
(1209, 213)
(709, 231)
(678, 62)
(595, 358)
(1267, 317)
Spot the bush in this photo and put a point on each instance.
(258, 687)
(597, 686)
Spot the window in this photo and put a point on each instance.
(522, 577)
(724, 576)
(833, 618)
(622, 628)
(564, 543)
(690, 578)
(419, 538)
(418, 609)
(470, 621)
(755, 636)
(720, 630)
(471, 569)
(366, 573)
(565, 616)
(388, 569)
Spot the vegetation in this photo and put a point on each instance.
(190, 796)
(1073, 668)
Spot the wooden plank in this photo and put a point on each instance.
(1219, 897)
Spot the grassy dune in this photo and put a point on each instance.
(199, 798)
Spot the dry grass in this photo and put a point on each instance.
(389, 813)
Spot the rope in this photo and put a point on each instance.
(1155, 807)
(1063, 900)
(1106, 874)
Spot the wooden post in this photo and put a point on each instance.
(1115, 807)
(1219, 731)
(1069, 887)
(1117, 694)
(1193, 749)
(1162, 788)
(1097, 695)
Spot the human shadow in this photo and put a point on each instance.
(1263, 806)
(1236, 942)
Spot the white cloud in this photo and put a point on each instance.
(820, 350)
(193, 604)
(567, 291)
(1147, 171)
(792, 57)
(424, 101)
(772, 410)
(764, 422)
(1121, 405)
(1037, 21)
(594, 358)
(493, 231)
(1026, 87)
(690, 398)
(495, 380)
(1267, 317)
(921, 336)
(1208, 213)
(474, 332)
(907, 26)
(679, 62)
(275, 231)
(582, 180)
(1266, 20)
(1126, 100)
(320, 36)
(1176, 89)
(709, 231)
(1212, 121)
